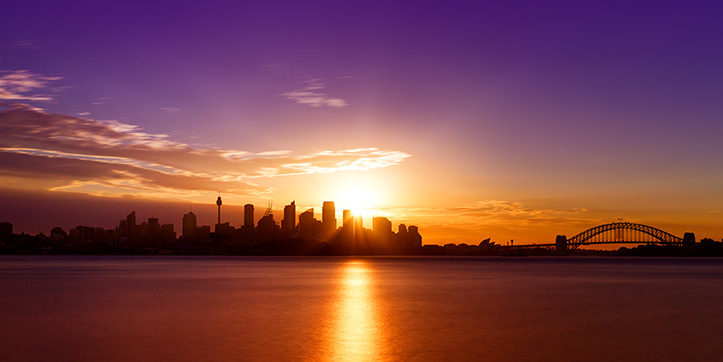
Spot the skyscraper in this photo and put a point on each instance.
(131, 219)
(306, 224)
(360, 241)
(402, 238)
(328, 219)
(358, 225)
(267, 228)
(154, 229)
(348, 221)
(288, 223)
(382, 234)
(347, 231)
(381, 225)
(189, 225)
(249, 217)
(131, 225)
(415, 240)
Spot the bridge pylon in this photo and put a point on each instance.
(688, 239)
(561, 245)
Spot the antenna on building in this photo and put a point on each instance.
(269, 209)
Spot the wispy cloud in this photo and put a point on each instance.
(100, 101)
(16, 84)
(80, 154)
(494, 214)
(312, 95)
(21, 45)
(169, 110)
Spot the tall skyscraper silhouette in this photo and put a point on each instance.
(249, 217)
(382, 233)
(402, 237)
(131, 225)
(347, 231)
(306, 224)
(154, 228)
(360, 241)
(288, 223)
(415, 239)
(189, 225)
(328, 219)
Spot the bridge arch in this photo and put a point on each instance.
(588, 236)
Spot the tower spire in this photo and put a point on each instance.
(218, 202)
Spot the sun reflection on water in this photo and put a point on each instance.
(355, 335)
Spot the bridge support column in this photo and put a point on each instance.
(561, 245)
(688, 239)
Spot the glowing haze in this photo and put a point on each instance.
(511, 120)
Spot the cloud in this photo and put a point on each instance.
(169, 110)
(487, 214)
(15, 84)
(311, 95)
(499, 211)
(107, 157)
(21, 45)
(101, 101)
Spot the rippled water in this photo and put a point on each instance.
(138, 309)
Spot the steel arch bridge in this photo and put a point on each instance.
(623, 232)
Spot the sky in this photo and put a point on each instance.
(504, 119)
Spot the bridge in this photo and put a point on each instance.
(615, 233)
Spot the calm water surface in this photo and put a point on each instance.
(73, 308)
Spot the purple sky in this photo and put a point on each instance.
(613, 108)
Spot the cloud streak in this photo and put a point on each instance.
(482, 216)
(111, 158)
(312, 95)
(15, 84)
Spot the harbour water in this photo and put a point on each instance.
(121, 308)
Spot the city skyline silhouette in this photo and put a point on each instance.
(470, 121)
(300, 233)
(361, 181)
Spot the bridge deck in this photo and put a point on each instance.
(591, 243)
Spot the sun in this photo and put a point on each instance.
(358, 200)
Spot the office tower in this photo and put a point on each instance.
(266, 228)
(203, 233)
(358, 225)
(143, 230)
(402, 238)
(360, 242)
(167, 233)
(347, 232)
(348, 221)
(382, 234)
(381, 225)
(218, 203)
(306, 224)
(415, 240)
(131, 219)
(288, 223)
(154, 229)
(328, 219)
(249, 217)
(131, 225)
(189, 225)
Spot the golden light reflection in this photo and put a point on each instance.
(355, 333)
